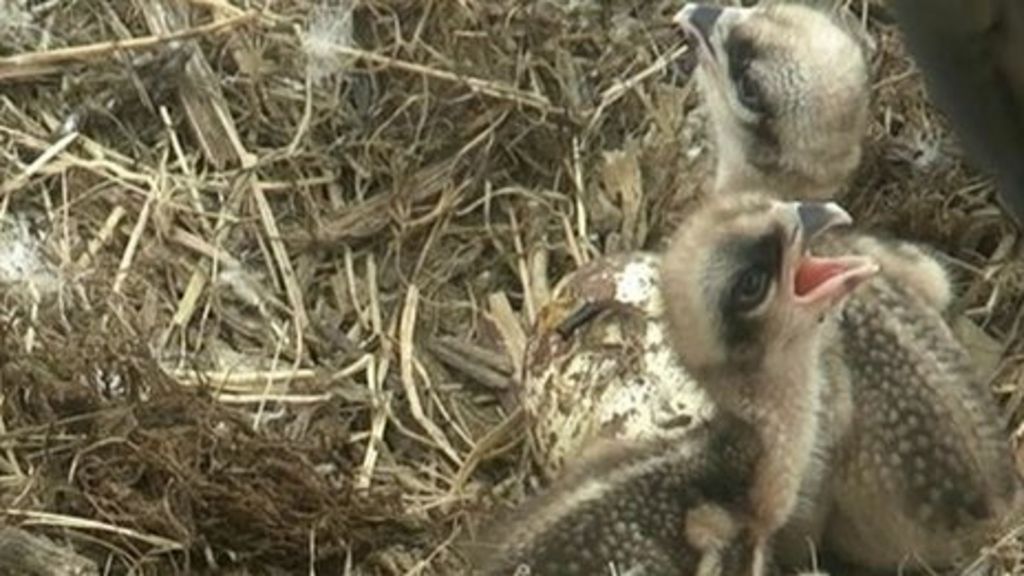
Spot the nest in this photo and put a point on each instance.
(268, 271)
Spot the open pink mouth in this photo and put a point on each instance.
(818, 278)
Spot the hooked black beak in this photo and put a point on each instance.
(816, 217)
(699, 20)
(821, 282)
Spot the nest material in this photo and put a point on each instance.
(284, 259)
(166, 473)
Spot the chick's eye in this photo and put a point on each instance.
(751, 288)
(743, 55)
(749, 93)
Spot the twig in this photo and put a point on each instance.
(510, 329)
(246, 379)
(265, 398)
(284, 266)
(488, 445)
(494, 360)
(34, 64)
(133, 243)
(458, 360)
(36, 518)
(380, 406)
(407, 327)
(49, 154)
(619, 89)
(101, 238)
(490, 88)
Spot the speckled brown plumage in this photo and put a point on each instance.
(925, 468)
(661, 507)
(918, 470)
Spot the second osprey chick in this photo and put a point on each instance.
(787, 89)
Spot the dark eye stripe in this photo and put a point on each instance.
(740, 51)
(763, 149)
(739, 328)
(764, 253)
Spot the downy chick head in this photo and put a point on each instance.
(787, 90)
(739, 280)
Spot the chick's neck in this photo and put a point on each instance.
(781, 400)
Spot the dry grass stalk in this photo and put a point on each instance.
(28, 66)
(201, 96)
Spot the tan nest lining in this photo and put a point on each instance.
(276, 263)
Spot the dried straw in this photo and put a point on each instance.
(293, 262)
